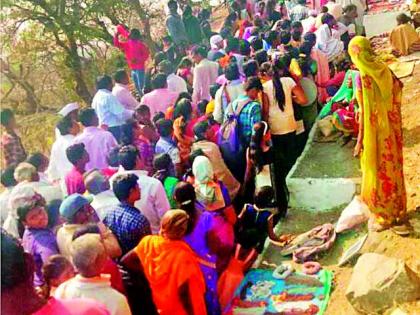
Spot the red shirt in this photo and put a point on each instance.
(72, 307)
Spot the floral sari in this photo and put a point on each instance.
(383, 187)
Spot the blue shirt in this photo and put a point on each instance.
(250, 114)
(128, 224)
(109, 110)
(167, 145)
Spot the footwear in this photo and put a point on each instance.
(401, 229)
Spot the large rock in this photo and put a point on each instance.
(378, 282)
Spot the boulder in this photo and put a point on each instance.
(378, 282)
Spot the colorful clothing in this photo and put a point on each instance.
(198, 242)
(184, 141)
(74, 182)
(146, 152)
(128, 224)
(136, 52)
(383, 188)
(41, 244)
(72, 307)
(169, 264)
(12, 148)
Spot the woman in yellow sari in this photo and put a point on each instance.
(380, 139)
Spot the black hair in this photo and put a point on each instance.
(250, 68)
(244, 47)
(162, 166)
(103, 82)
(305, 48)
(279, 66)
(14, 266)
(159, 81)
(296, 36)
(253, 83)
(64, 125)
(261, 57)
(271, 36)
(75, 152)
(183, 108)
(285, 25)
(200, 129)
(182, 95)
(185, 197)
(6, 178)
(23, 211)
(166, 67)
(142, 109)
(324, 9)
(351, 7)
(213, 90)
(402, 18)
(127, 135)
(199, 50)
(123, 184)
(6, 115)
(232, 45)
(285, 37)
(296, 24)
(326, 18)
(172, 4)
(158, 116)
(265, 197)
(112, 158)
(185, 62)
(37, 159)
(201, 106)
(232, 71)
(187, 11)
(310, 37)
(255, 151)
(87, 117)
(257, 43)
(90, 228)
(120, 75)
(53, 268)
(135, 34)
(164, 127)
(194, 154)
(127, 157)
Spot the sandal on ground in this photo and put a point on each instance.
(401, 229)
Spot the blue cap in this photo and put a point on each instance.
(72, 204)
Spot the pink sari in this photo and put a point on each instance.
(323, 73)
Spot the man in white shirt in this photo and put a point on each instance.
(59, 164)
(205, 74)
(153, 203)
(121, 91)
(103, 197)
(109, 110)
(175, 82)
(89, 256)
(70, 110)
(98, 142)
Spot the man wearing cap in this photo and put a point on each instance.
(103, 197)
(216, 52)
(71, 110)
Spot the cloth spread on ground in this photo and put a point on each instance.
(261, 293)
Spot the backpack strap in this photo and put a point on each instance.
(241, 106)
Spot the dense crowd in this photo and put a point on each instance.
(154, 198)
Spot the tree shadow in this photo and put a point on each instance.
(411, 136)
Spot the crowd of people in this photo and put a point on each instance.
(149, 193)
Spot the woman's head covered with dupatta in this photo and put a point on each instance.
(363, 57)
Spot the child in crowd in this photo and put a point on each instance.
(37, 239)
(256, 222)
(166, 144)
(40, 161)
(148, 130)
(164, 171)
(78, 156)
(56, 270)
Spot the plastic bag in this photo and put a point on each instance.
(354, 214)
(326, 126)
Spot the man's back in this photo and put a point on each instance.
(159, 100)
(176, 29)
(205, 74)
(98, 143)
(110, 112)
